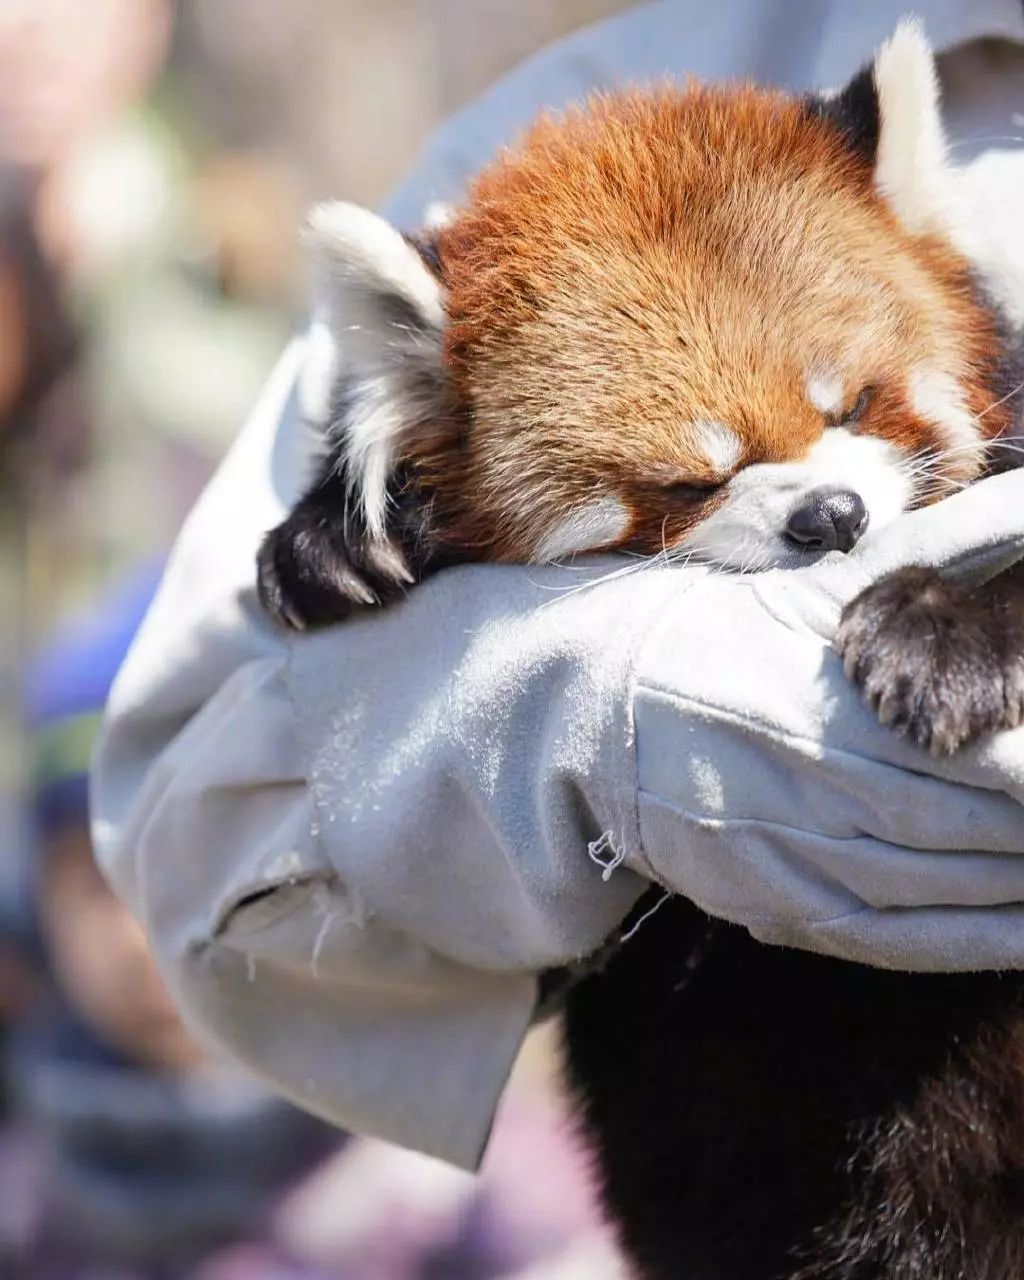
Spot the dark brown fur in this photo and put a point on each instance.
(772, 1115)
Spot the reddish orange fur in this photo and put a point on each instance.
(657, 258)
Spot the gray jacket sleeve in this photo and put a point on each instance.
(354, 850)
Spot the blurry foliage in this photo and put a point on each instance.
(155, 159)
(175, 221)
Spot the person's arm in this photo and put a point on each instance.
(354, 850)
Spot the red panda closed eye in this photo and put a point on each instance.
(724, 321)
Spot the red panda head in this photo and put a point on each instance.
(713, 319)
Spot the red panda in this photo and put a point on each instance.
(733, 324)
(720, 320)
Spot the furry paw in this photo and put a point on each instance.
(937, 661)
(310, 573)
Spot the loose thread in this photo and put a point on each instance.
(646, 916)
(596, 850)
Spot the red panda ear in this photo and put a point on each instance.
(890, 114)
(373, 376)
(378, 315)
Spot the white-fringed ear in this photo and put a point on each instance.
(374, 352)
(911, 170)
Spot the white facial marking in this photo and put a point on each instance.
(747, 531)
(825, 392)
(719, 445)
(938, 397)
(594, 524)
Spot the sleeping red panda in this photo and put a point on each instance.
(729, 323)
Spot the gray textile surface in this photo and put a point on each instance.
(353, 851)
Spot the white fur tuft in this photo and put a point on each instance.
(911, 172)
(375, 336)
(362, 249)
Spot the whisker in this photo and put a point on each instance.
(932, 461)
(586, 586)
(1002, 400)
(924, 470)
(994, 137)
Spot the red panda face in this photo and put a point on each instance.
(690, 320)
(720, 322)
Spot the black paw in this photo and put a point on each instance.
(937, 661)
(311, 573)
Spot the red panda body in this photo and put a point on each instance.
(730, 324)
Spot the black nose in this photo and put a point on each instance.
(827, 520)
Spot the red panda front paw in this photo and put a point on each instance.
(933, 659)
(310, 573)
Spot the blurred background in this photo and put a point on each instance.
(155, 161)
